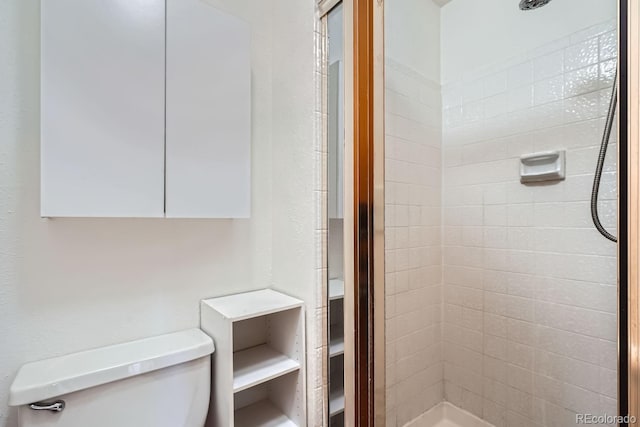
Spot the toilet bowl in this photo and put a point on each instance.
(162, 381)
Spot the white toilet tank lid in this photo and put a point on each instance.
(55, 377)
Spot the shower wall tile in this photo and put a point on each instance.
(413, 251)
(529, 287)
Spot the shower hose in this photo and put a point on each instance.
(601, 156)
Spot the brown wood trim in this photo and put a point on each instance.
(368, 214)
(633, 204)
(363, 211)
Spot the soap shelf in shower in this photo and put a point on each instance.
(543, 166)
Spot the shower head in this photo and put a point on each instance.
(532, 4)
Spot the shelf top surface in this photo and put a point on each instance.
(252, 304)
(262, 414)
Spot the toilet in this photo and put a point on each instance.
(162, 381)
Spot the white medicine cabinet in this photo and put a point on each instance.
(145, 110)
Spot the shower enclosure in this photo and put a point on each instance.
(501, 295)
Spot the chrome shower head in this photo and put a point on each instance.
(532, 4)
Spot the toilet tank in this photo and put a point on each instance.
(162, 381)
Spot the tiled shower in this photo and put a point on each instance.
(529, 285)
(501, 297)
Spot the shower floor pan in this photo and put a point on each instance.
(445, 414)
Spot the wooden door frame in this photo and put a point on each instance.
(364, 354)
(364, 223)
(629, 209)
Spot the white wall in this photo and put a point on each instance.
(296, 156)
(529, 285)
(413, 261)
(477, 33)
(72, 284)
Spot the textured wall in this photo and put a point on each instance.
(68, 285)
(529, 285)
(299, 229)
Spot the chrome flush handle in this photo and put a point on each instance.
(57, 406)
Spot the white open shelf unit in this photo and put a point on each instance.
(258, 367)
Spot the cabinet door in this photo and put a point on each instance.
(102, 108)
(208, 112)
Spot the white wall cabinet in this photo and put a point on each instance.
(102, 108)
(208, 112)
(145, 110)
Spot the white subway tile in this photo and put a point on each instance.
(582, 107)
(582, 80)
(552, 89)
(493, 412)
(494, 83)
(472, 91)
(571, 397)
(608, 45)
(549, 65)
(520, 75)
(495, 347)
(568, 370)
(495, 391)
(581, 54)
(521, 355)
(520, 98)
(520, 379)
(575, 319)
(495, 324)
(520, 402)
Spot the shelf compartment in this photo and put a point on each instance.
(336, 289)
(262, 414)
(336, 402)
(259, 364)
(336, 346)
